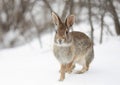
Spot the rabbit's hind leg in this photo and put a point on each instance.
(84, 68)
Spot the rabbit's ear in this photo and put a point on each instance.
(70, 20)
(55, 18)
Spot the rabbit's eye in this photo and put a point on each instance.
(67, 32)
(56, 31)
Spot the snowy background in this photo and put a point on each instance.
(31, 65)
(26, 40)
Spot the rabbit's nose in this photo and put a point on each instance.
(60, 41)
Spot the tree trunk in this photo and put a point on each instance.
(115, 17)
(90, 19)
(102, 27)
(71, 6)
(66, 8)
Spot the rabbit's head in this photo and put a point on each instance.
(63, 36)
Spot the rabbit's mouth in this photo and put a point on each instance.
(60, 41)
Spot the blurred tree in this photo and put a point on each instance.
(90, 19)
(27, 19)
(115, 16)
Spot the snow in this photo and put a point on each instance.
(31, 65)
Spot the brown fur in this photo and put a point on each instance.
(71, 47)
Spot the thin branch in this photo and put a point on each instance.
(48, 5)
(90, 19)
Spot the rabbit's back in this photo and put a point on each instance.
(83, 46)
(81, 40)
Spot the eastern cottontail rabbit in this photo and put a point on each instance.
(71, 47)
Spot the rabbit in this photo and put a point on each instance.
(71, 48)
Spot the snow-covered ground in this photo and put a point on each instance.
(30, 65)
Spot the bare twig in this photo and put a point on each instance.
(48, 5)
(90, 19)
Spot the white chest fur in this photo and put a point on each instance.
(63, 53)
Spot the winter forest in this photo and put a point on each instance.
(26, 40)
(23, 20)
